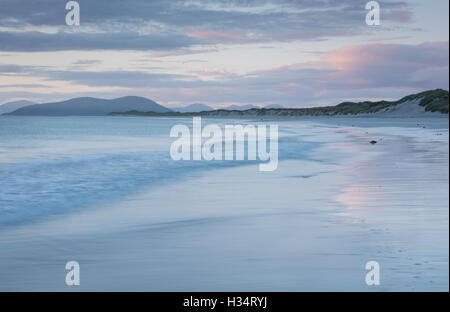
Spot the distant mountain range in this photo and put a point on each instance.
(412, 105)
(12, 106)
(86, 106)
(423, 104)
(240, 107)
(197, 107)
(193, 108)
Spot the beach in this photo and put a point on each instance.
(138, 221)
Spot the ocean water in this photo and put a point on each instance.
(104, 191)
(51, 166)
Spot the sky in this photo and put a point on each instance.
(221, 52)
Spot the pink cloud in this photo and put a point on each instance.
(372, 71)
(348, 58)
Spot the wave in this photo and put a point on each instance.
(56, 183)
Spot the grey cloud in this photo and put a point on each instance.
(132, 79)
(210, 21)
(174, 12)
(123, 78)
(13, 69)
(86, 62)
(37, 41)
(25, 86)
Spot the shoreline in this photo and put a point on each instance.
(229, 239)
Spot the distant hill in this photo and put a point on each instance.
(12, 106)
(87, 106)
(240, 107)
(196, 107)
(428, 103)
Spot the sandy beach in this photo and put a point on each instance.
(311, 225)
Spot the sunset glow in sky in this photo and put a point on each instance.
(293, 53)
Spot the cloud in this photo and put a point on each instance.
(38, 41)
(14, 69)
(351, 72)
(387, 65)
(28, 86)
(176, 24)
(398, 16)
(86, 62)
(129, 79)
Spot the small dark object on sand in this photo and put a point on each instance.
(373, 142)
